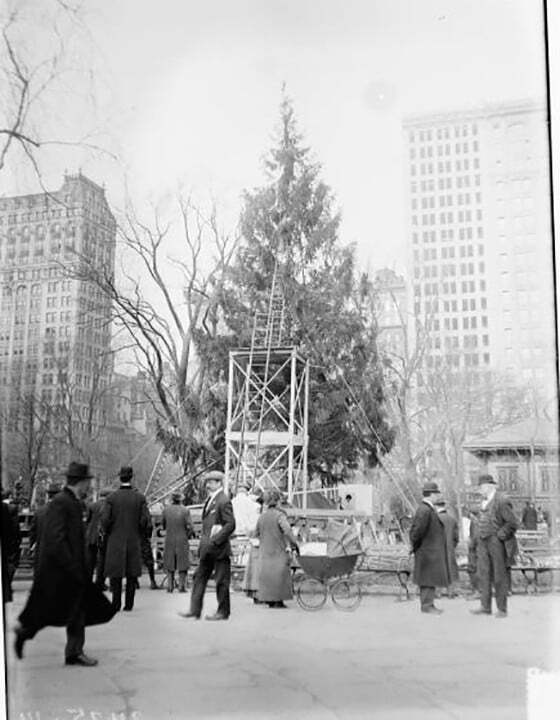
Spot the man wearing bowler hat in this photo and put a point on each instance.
(496, 539)
(427, 535)
(124, 521)
(61, 593)
(218, 523)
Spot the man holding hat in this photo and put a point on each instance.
(218, 523)
(124, 520)
(496, 533)
(427, 535)
(61, 593)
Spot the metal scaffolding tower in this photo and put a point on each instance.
(268, 398)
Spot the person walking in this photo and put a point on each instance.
(218, 524)
(427, 536)
(61, 593)
(94, 540)
(124, 520)
(176, 522)
(274, 534)
(451, 528)
(496, 534)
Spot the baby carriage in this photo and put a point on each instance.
(327, 569)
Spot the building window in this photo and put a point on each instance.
(508, 478)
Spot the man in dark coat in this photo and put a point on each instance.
(451, 527)
(15, 551)
(147, 554)
(427, 536)
(94, 537)
(60, 594)
(10, 550)
(218, 524)
(473, 552)
(530, 516)
(176, 522)
(124, 521)
(37, 523)
(496, 534)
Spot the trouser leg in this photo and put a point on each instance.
(75, 635)
(201, 577)
(484, 572)
(499, 570)
(427, 596)
(129, 593)
(116, 591)
(100, 566)
(223, 576)
(91, 559)
(182, 581)
(170, 581)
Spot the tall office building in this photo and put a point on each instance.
(390, 312)
(55, 334)
(480, 238)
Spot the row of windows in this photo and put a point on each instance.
(445, 167)
(443, 183)
(430, 151)
(447, 234)
(446, 200)
(443, 133)
(469, 360)
(449, 217)
(467, 286)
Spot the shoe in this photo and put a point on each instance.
(501, 614)
(170, 590)
(153, 586)
(257, 601)
(279, 605)
(217, 616)
(126, 608)
(432, 610)
(182, 590)
(82, 660)
(481, 611)
(19, 642)
(189, 615)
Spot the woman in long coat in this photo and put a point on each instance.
(250, 584)
(274, 533)
(451, 529)
(178, 528)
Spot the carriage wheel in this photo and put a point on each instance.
(346, 594)
(311, 594)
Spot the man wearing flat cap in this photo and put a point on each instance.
(124, 520)
(61, 594)
(496, 535)
(427, 536)
(218, 524)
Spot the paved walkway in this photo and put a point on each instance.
(385, 660)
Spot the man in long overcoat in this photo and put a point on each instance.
(94, 537)
(124, 520)
(176, 522)
(427, 536)
(218, 524)
(61, 593)
(275, 534)
(496, 542)
(451, 528)
(38, 520)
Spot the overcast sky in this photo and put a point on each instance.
(189, 92)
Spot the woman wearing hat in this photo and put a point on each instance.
(274, 533)
(178, 528)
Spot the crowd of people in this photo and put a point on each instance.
(75, 553)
